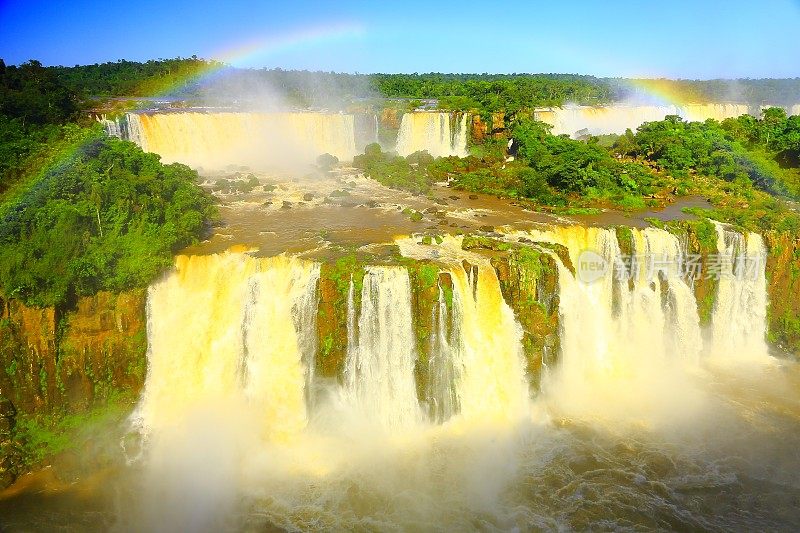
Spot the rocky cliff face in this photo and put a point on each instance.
(783, 278)
(55, 363)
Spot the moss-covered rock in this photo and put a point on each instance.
(528, 276)
(334, 289)
(59, 364)
(783, 286)
(700, 236)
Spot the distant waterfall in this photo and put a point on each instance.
(440, 134)
(379, 372)
(214, 141)
(739, 319)
(113, 128)
(231, 328)
(602, 120)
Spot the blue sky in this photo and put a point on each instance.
(687, 39)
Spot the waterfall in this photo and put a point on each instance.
(113, 128)
(443, 371)
(602, 120)
(491, 381)
(433, 132)
(639, 310)
(135, 131)
(680, 308)
(231, 327)
(379, 370)
(739, 317)
(259, 140)
(478, 370)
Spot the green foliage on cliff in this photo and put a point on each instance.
(133, 78)
(33, 106)
(394, 171)
(44, 436)
(743, 150)
(102, 216)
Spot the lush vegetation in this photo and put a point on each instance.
(80, 212)
(483, 93)
(741, 150)
(742, 165)
(105, 217)
(132, 78)
(549, 170)
(34, 104)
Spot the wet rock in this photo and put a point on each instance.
(487, 228)
(454, 197)
(308, 196)
(440, 201)
(286, 205)
(473, 196)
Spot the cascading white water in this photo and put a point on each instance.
(482, 346)
(444, 372)
(627, 330)
(238, 333)
(633, 335)
(602, 120)
(231, 327)
(258, 140)
(433, 133)
(113, 128)
(667, 262)
(740, 311)
(135, 131)
(379, 371)
(491, 384)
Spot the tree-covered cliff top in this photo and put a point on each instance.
(483, 92)
(80, 212)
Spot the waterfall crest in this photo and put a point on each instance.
(259, 140)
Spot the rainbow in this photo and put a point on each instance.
(247, 53)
